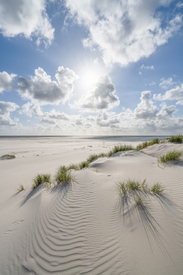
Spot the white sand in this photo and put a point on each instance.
(86, 227)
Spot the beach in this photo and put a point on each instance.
(87, 226)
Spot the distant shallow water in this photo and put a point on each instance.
(105, 138)
(126, 138)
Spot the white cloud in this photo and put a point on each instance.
(152, 83)
(147, 67)
(124, 31)
(27, 18)
(79, 121)
(26, 109)
(47, 121)
(37, 111)
(51, 117)
(106, 120)
(6, 81)
(101, 97)
(180, 102)
(179, 5)
(166, 83)
(56, 115)
(146, 108)
(166, 111)
(173, 94)
(40, 89)
(5, 109)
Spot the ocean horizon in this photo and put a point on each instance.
(102, 137)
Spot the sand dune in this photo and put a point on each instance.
(85, 227)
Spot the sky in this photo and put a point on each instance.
(91, 67)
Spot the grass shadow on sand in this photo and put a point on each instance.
(33, 192)
(140, 213)
(63, 188)
(172, 164)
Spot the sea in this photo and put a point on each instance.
(101, 138)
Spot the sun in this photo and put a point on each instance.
(89, 76)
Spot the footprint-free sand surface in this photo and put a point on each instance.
(86, 227)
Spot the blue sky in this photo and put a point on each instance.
(91, 67)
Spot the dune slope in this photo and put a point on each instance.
(85, 227)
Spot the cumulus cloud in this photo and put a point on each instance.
(5, 109)
(166, 83)
(79, 121)
(37, 111)
(146, 109)
(27, 18)
(147, 67)
(124, 31)
(6, 81)
(101, 97)
(26, 109)
(40, 89)
(104, 120)
(179, 5)
(180, 102)
(47, 121)
(56, 115)
(173, 94)
(166, 112)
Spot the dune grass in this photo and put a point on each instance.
(122, 188)
(178, 139)
(146, 144)
(157, 189)
(63, 175)
(130, 186)
(21, 188)
(139, 200)
(84, 164)
(119, 148)
(41, 179)
(133, 185)
(95, 156)
(73, 166)
(9, 156)
(171, 155)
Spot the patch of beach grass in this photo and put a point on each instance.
(63, 175)
(144, 185)
(119, 148)
(84, 164)
(133, 185)
(157, 189)
(171, 155)
(139, 200)
(41, 179)
(122, 188)
(9, 156)
(146, 144)
(95, 156)
(21, 188)
(178, 139)
(73, 166)
(129, 186)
